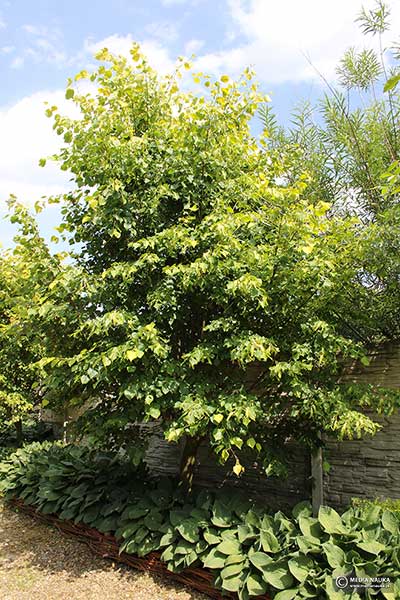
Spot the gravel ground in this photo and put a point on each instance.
(38, 563)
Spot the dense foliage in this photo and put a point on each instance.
(25, 272)
(207, 287)
(250, 550)
(349, 144)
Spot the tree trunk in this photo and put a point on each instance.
(188, 462)
(18, 429)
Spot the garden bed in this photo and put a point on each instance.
(106, 546)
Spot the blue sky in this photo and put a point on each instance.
(43, 42)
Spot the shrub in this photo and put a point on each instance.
(391, 504)
(250, 550)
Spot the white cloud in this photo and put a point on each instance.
(278, 35)
(17, 62)
(7, 49)
(27, 136)
(173, 2)
(43, 45)
(158, 56)
(165, 31)
(193, 46)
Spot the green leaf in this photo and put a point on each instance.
(234, 559)
(260, 560)
(391, 83)
(311, 529)
(300, 567)
(231, 570)
(288, 595)
(231, 584)
(256, 585)
(269, 541)
(229, 547)
(390, 522)
(167, 538)
(168, 554)
(334, 555)
(372, 547)
(330, 520)
(211, 537)
(214, 560)
(189, 530)
(245, 532)
(153, 520)
(69, 93)
(302, 509)
(277, 575)
(222, 516)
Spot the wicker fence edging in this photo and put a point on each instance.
(106, 546)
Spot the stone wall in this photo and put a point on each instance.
(368, 468)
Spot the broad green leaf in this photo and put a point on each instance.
(255, 585)
(330, 520)
(229, 547)
(372, 547)
(260, 560)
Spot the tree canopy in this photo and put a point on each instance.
(208, 288)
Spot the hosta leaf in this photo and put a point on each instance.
(231, 570)
(232, 584)
(334, 555)
(212, 537)
(287, 595)
(372, 547)
(130, 530)
(167, 538)
(311, 529)
(302, 509)
(201, 546)
(214, 560)
(141, 533)
(222, 516)
(189, 530)
(183, 547)
(229, 547)
(153, 520)
(269, 542)
(107, 524)
(168, 554)
(390, 522)
(330, 520)
(245, 532)
(252, 518)
(306, 546)
(229, 534)
(256, 585)
(277, 575)
(190, 558)
(134, 512)
(177, 516)
(260, 560)
(300, 567)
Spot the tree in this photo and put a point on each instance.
(202, 265)
(24, 274)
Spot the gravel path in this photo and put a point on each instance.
(38, 563)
